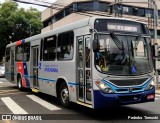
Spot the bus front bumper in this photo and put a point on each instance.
(105, 100)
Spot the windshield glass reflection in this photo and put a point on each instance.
(123, 55)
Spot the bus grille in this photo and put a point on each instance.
(126, 90)
(130, 98)
(130, 82)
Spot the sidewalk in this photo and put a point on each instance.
(158, 91)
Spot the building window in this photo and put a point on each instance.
(19, 53)
(103, 7)
(86, 6)
(141, 12)
(158, 34)
(159, 14)
(49, 49)
(47, 22)
(68, 11)
(65, 46)
(135, 11)
(149, 13)
(59, 16)
(26, 51)
(127, 10)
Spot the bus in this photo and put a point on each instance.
(95, 62)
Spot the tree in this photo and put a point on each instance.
(17, 23)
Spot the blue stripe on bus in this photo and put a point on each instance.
(47, 79)
(52, 80)
(10, 73)
(73, 83)
(28, 76)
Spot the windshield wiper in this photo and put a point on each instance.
(119, 43)
(137, 41)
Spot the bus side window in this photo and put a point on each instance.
(19, 53)
(65, 46)
(88, 53)
(49, 48)
(26, 51)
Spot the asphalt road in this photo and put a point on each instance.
(13, 101)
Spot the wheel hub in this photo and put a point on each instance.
(65, 95)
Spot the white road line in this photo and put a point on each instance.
(157, 95)
(157, 98)
(1, 82)
(43, 103)
(15, 108)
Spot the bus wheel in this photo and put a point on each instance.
(64, 95)
(19, 84)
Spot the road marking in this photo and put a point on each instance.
(157, 95)
(11, 93)
(15, 108)
(1, 82)
(43, 103)
(6, 91)
(156, 98)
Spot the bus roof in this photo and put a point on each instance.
(72, 26)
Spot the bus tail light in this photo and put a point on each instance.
(149, 97)
(103, 87)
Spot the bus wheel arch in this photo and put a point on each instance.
(63, 92)
(19, 81)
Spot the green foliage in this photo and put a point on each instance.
(17, 23)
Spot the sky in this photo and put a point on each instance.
(26, 6)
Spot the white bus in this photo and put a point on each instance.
(95, 62)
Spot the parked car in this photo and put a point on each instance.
(2, 70)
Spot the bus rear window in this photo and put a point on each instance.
(7, 54)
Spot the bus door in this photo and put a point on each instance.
(12, 66)
(34, 68)
(84, 69)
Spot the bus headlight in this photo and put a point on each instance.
(103, 87)
(150, 85)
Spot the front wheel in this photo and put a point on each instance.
(64, 95)
(19, 84)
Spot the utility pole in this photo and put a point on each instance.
(155, 19)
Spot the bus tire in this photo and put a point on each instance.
(19, 83)
(64, 95)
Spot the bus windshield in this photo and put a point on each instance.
(123, 54)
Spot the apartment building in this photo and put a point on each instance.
(63, 12)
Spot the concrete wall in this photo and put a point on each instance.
(74, 17)
(67, 20)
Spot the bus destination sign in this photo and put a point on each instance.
(122, 27)
(125, 26)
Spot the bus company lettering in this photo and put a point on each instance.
(122, 28)
(51, 68)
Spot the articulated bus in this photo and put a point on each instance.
(95, 62)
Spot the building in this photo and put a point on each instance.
(64, 12)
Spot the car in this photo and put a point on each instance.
(2, 70)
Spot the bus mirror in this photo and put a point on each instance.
(157, 51)
(95, 45)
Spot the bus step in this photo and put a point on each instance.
(35, 90)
